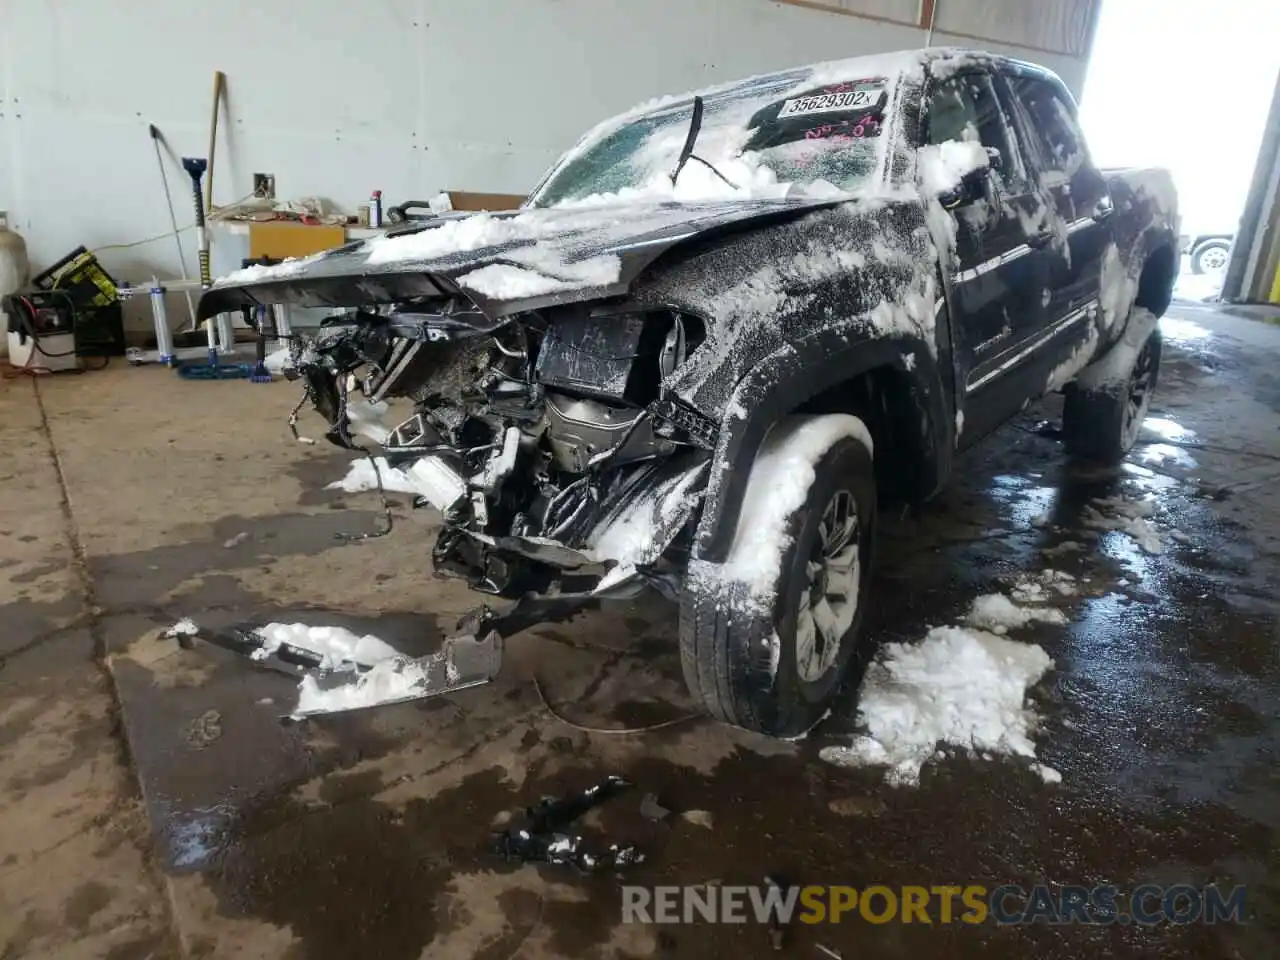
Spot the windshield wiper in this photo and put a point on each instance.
(687, 154)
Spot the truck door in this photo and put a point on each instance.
(1046, 114)
(1000, 281)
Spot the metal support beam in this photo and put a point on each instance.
(1252, 269)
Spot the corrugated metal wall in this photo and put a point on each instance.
(1046, 26)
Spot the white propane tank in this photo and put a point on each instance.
(15, 271)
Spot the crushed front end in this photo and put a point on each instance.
(546, 441)
(562, 469)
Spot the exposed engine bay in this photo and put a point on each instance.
(546, 442)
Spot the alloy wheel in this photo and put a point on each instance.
(829, 602)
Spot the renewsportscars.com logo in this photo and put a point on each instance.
(1147, 905)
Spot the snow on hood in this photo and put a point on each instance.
(533, 252)
(500, 281)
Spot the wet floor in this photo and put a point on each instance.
(371, 835)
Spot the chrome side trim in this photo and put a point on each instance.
(988, 265)
(1075, 226)
(1069, 320)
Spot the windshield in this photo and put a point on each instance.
(780, 137)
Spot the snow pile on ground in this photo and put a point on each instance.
(962, 686)
(1041, 587)
(959, 686)
(1025, 604)
(999, 614)
(389, 680)
(1127, 516)
(339, 647)
(1144, 534)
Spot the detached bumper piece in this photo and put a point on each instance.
(462, 661)
(468, 659)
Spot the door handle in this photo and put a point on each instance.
(1041, 239)
(1103, 210)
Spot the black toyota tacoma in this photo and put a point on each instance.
(718, 333)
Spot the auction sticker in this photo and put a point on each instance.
(831, 102)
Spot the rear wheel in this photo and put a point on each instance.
(776, 667)
(1102, 424)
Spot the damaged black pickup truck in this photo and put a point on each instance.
(721, 329)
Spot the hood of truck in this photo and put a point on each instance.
(505, 263)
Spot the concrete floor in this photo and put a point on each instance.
(153, 805)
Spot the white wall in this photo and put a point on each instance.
(337, 98)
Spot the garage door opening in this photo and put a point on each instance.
(1186, 85)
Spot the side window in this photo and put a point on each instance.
(1064, 158)
(965, 107)
(1053, 123)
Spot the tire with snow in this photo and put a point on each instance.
(1101, 424)
(775, 666)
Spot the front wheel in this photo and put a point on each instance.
(1101, 423)
(767, 638)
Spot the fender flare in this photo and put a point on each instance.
(786, 379)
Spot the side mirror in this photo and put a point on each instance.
(972, 186)
(956, 171)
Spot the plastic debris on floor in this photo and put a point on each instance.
(543, 834)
